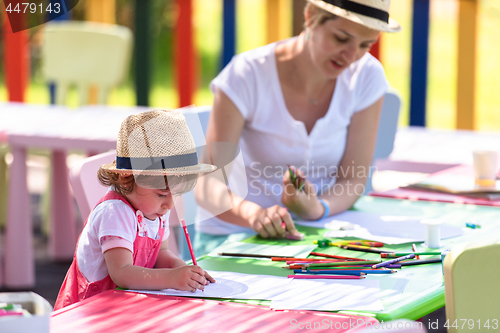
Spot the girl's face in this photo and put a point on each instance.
(336, 44)
(151, 202)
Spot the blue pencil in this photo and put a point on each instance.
(365, 271)
(335, 272)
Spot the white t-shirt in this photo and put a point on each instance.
(111, 218)
(272, 138)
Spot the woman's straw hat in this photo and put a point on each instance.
(373, 14)
(156, 142)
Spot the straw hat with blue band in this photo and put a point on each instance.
(155, 143)
(373, 14)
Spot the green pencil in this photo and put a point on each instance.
(296, 180)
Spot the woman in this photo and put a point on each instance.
(313, 102)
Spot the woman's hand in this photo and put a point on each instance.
(268, 222)
(303, 203)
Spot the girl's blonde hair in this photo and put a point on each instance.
(125, 185)
(317, 16)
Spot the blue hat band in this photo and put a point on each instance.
(156, 163)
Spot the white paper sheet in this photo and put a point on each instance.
(297, 251)
(392, 285)
(330, 295)
(384, 228)
(284, 293)
(233, 285)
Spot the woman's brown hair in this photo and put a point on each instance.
(317, 16)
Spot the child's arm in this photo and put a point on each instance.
(125, 274)
(167, 259)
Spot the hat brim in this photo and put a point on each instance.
(367, 21)
(200, 168)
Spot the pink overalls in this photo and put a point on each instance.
(76, 287)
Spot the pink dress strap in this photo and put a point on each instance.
(76, 287)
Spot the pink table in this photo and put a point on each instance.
(58, 129)
(121, 311)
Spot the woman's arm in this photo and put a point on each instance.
(226, 125)
(352, 171)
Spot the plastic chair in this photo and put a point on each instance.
(386, 134)
(88, 190)
(85, 54)
(471, 284)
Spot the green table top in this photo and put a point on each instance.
(424, 290)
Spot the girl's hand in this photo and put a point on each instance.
(303, 203)
(209, 278)
(189, 278)
(268, 222)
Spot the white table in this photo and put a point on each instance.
(58, 129)
(423, 145)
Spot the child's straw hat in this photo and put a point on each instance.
(156, 142)
(373, 14)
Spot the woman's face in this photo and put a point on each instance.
(336, 44)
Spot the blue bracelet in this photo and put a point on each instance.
(325, 205)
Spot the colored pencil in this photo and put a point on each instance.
(304, 259)
(333, 271)
(472, 225)
(420, 262)
(292, 262)
(297, 180)
(339, 272)
(364, 249)
(193, 258)
(388, 262)
(339, 277)
(414, 248)
(326, 242)
(295, 236)
(390, 266)
(400, 254)
(347, 263)
(353, 268)
(334, 256)
(374, 244)
(249, 255)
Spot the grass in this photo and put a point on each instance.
(442, 71)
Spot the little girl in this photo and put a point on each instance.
(124, 240)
